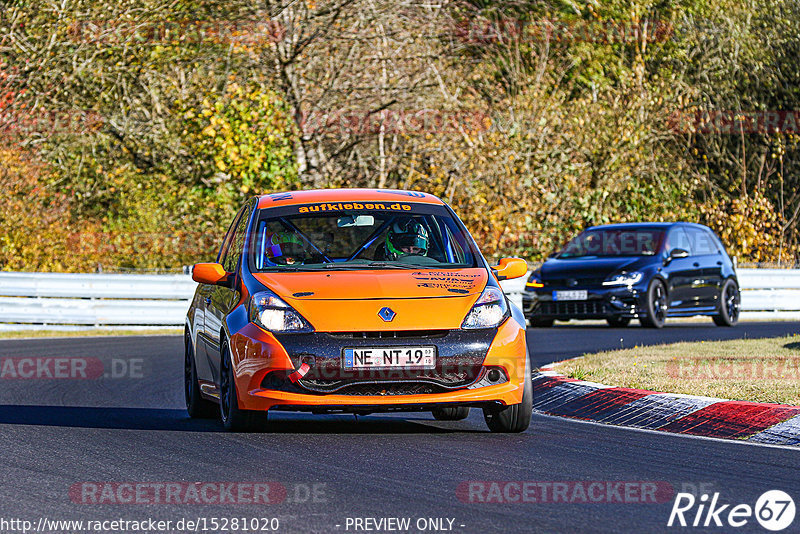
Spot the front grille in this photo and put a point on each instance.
(573, 308)
(457, 351)
(391, 334)
(446, 378)
(459, 360)
(571, 282)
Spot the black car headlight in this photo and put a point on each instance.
(489, 311)
(272, 313)
(623, 279)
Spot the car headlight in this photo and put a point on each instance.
(271, 313)
(489, 311)
(623, 279)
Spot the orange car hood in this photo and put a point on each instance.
(349, 301)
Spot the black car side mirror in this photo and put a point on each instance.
(676, 253)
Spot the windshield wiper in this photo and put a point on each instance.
(345, 266)
(385, 265)
(288, 269)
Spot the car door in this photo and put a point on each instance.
(223, 299)
(680, 272)
(203, 296)
(205, 291)
(708, 283)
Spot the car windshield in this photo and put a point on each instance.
(614, 242)
(355, 236)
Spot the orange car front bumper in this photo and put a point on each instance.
(257, 352)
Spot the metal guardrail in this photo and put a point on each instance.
(770, 293)
(45, 300)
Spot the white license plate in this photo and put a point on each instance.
(578, 294)
(390, 358)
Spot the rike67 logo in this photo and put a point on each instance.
(774, 510)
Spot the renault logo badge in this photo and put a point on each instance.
(387, 314)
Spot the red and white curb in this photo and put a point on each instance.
(556, 394)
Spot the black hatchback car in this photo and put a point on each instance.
(648, 271)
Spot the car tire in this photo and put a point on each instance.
(234, 418)
(618, 322)
(729, 300)
(196, 405)
(656, 305)
(451, 413)
(537, 322)
(515, 417)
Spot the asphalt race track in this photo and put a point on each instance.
(128, 425)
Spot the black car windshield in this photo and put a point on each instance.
(614, 242)
(358, 236)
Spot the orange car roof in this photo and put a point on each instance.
(344, 195)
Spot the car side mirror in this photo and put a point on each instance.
(211, 273)
(676, 253)
(510, 268)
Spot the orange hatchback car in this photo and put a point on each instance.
(358, 301)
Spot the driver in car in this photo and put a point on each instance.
(406, 238)
(286, 248)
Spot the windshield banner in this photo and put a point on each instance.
(342, 206)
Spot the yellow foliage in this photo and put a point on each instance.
(750, 228)
(35, 228)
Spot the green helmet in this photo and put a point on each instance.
(406, 234)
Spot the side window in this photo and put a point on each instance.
(226, 242)
(702, 242)
(677, 238)
(231, 257)
(719, 244)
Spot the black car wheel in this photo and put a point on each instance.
(618, 322)
(196, 405)
(234, 418)
(451, 413)
(728, 305)
(515, 417)
(656, 305)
